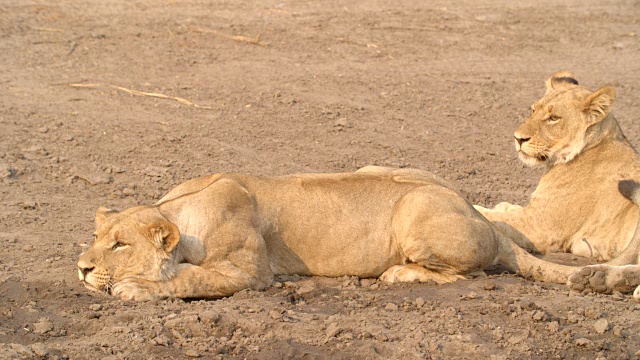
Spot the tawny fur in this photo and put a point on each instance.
(578, 206)
(213, 236)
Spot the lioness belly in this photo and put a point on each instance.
(331, 226)
(603, 239)
(364, 257)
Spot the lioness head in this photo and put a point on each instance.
(556, 131)
(135, 243)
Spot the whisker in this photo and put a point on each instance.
(108, 287)
(543, 155)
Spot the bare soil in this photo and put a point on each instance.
(327, 86)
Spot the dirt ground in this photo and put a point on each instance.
(283, 87)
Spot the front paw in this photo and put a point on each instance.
(506, 207)
(136, 289)
(590, 279)
(605, 279)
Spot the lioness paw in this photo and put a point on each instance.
(589, 279)
(500, 208)
(604, 279)
(415, 272)
(138, 290)
(389, 276)
(505, 206)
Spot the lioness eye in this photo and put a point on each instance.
(553, 119)
(117, 245)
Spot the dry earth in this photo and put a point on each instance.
(327, 86)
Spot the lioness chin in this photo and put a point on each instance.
(584, 202)
(213, 236)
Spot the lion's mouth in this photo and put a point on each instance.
(101, 284)
(91, 287)
(104, 289)
(533, 160)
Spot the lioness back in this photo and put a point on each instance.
(315, 223)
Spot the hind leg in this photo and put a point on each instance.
(442, 237)
(415, 272)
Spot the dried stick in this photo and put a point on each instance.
(142, 93)
(239, 38)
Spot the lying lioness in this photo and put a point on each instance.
(213, 236)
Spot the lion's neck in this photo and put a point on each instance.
(190, 248)
(606, 130)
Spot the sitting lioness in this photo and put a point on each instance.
(213, 236)
(578, 206)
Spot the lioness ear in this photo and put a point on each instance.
(558, 79)
(598, 105)
(102, 214)
(164, 235)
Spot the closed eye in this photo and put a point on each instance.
(118, 246)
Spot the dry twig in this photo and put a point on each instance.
(348, 41)
(142, 93)
(239, 38)
(46, 29)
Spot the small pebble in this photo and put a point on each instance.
(29, 204)
(490, 285)
(275, 314)
(538, 315)
(40, 349)
(391, 307)
(584, 342)
(43, 326)
(332, 330)
(617, 330)
(601, 326)
(192, 354)
(162, 340)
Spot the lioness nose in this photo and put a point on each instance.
(521, 140)
(84, 268)
(85, 271)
